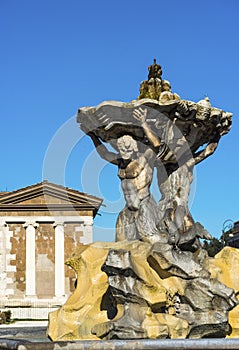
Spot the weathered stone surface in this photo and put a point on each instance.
(125, 292)
(83, 309)
(224, 267)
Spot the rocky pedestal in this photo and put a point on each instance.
(133, 290)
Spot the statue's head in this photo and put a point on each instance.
(127, 146)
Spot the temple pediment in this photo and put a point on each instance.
(47, 194)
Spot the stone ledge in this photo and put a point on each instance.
(159, 344)
(44, 303)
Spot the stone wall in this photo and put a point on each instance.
(17, 259)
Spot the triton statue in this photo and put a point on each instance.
(168, 134)
(156, 280)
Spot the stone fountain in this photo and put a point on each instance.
(155, 281)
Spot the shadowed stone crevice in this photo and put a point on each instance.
(108, 303)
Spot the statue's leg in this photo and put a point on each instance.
(147, 220)
(164, 186)
(183, 217)
(175, 191)
(180, 214)
(125, 226)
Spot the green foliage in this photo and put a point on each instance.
(5, 317)
(213, 247)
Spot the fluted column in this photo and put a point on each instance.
(30, 258)
(59, 259)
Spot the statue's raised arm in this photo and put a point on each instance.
(104, 153)
(140, 114)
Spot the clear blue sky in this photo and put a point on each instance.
(57, 56)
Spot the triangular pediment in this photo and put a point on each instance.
(45, 193)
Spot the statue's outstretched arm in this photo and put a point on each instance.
(208, 150)
(102, 150)
(140, 114)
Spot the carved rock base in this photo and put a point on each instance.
(133, 290)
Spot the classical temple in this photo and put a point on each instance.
(40, 225)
